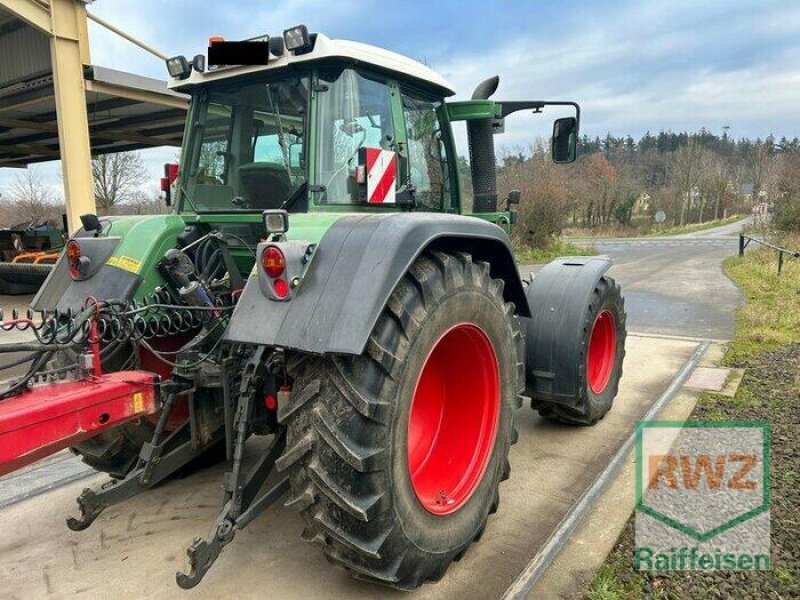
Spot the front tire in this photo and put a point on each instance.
(395, 456)
(599, 362)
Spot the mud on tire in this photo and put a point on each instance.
(347, 429)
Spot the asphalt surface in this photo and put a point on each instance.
(673, 287)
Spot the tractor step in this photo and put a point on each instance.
(50, 417)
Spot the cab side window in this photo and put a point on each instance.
(354, 112)
(427, 168)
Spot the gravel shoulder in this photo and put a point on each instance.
(769, 391)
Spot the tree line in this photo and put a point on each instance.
(618, 184)
(119, 181)
(622, 184)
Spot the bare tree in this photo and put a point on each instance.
(117, 179)
(763, 166)
(688, 166)
(32, 202)
(715, 182)
(544, 194)
(143, 203)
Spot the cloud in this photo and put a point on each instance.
(656, 66)
(633, 65)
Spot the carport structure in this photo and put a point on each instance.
(56, 104)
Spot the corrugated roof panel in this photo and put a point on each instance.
(25, 52)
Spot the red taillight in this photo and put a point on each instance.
(74, 258)
(281, 288)
(274, 262)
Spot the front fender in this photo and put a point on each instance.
(355, 268)
(559, 297)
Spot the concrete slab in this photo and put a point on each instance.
(50, 473)
(134, 550)
(708, 378)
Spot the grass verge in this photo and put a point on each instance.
(767, 344)
(770, 318)
(527, 256)
(692, 227)
(645, 229)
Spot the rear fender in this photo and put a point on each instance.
(357, 264)
(559, 297)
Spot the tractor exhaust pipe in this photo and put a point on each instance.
(483, 167)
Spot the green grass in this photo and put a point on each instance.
(770, 318)
(527, 256)
(609, 585)
(692, 227)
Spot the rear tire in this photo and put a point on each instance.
(349, 440)
(600, 366)
(116, 451)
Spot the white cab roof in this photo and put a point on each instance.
(326, 48)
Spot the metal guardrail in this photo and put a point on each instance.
(744, 241)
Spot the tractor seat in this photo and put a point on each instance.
(264, 185)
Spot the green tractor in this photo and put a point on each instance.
(318, 284)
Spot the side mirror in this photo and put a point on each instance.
(565, 140)
(91, 223)
(513, 197)
(406, 197)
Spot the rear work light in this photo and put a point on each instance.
(273, 261)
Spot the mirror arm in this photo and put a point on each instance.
(508, 108)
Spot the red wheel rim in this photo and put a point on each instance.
(602, 351)
(453, 420)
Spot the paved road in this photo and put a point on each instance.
(675, 285)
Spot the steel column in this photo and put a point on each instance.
(68, 50)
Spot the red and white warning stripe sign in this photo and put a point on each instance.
(381, 166)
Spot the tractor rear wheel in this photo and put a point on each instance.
(395, 456)
(116, 451)
(600, 361)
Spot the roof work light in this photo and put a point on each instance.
(178, 67)
(297, 39)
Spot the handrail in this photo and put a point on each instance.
(779, 249)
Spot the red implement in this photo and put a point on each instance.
(51, 417)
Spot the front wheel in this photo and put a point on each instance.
(599, 365)
(395, 456)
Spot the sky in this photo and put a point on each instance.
(634, 66)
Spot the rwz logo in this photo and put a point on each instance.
(686, 472)
(702, 495)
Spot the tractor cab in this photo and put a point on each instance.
(328, 126)
(304, 123)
